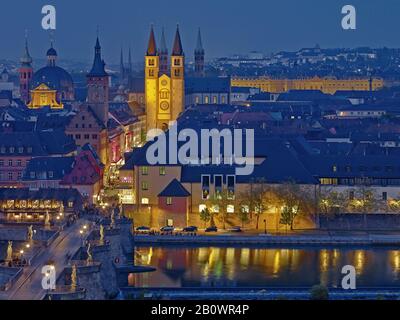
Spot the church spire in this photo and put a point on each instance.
(199, 46)
(163, 53)
(199, 57)
(163, 46)
(152, 47)
(26, 59)
(130, 67)
(121, 65)
(98, 68)
(177, 48)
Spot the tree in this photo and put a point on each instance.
(205, 215)
(294, 201)
(364, 201)
(244, 215)
(257, 199)
(220, 201)
(330, 202)
(319, 292)
(394, 205)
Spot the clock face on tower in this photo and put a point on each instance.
(164, 105)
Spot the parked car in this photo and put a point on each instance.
(212, 229)
(235, 229)
(143, 229)
(167, 229)
(190, 229)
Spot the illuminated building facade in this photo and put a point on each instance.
(50, 85)
(164, 93)
(326, 85)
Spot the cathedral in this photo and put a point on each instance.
(49, 86)
(164, 82)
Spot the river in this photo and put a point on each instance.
(265, 266)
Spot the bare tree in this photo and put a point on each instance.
(294, 201)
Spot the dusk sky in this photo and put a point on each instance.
(228, 27)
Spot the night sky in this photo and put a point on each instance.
(234, 26)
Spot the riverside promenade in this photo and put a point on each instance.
(367, 239)
(299, 293)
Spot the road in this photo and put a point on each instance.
(29, 285)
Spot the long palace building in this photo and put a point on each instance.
(326, 85)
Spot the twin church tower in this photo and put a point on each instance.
(165, 80)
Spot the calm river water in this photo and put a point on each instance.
(265, 267)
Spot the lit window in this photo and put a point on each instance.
(145, 200)
(145, 171)
(202, 207)
(145, 185)
(162, 171)
(169, 201)
(230, 208)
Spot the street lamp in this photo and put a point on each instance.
(265, 226)
(81, 233)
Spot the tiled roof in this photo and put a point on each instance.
(208, 85)
(48, 168)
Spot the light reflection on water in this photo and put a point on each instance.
(258, 267)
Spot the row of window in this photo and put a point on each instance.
(10, 176)
(85, 136)
(145, 171)
(11, 163)
(207, 99)
(19, 150)
(83, 126)
(349, 168)
(360, 181)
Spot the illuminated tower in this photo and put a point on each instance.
(151, 82)
(199, 57)
(98, 86)
(177, 77)
(163, 54)
(25, 73)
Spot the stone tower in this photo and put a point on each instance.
(152, 69)
(25, 73)
(98, 86)
(164, 91)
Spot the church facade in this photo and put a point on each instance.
(164, 91)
